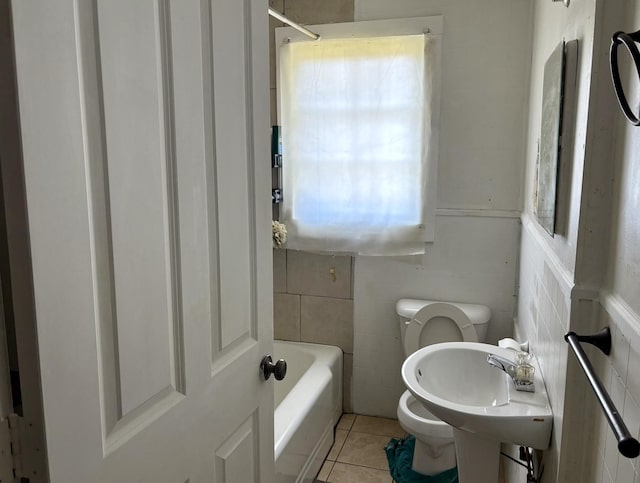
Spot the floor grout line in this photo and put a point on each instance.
(349, 430)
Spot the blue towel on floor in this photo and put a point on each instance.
(400, 455)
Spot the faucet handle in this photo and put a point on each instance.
(524, 372)
(521, 372)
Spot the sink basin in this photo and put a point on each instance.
(455, 382)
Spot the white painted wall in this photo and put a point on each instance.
(553, 23)
(623, 275)
(485, 79)
(485, 76)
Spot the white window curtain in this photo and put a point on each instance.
(359, 144)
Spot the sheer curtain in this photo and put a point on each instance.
(359, 144)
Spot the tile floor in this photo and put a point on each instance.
(357, 455)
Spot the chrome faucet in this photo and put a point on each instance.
(502, 363)
(511, 368)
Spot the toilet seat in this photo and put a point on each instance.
(437, 309)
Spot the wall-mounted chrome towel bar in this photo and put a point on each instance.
(627, 445)
(629, 40)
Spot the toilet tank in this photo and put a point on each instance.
(479, 315)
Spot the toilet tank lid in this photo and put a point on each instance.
(477, 314)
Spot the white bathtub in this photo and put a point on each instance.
(308, 404)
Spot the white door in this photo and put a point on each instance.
(145, 143)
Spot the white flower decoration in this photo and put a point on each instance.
(279, 233)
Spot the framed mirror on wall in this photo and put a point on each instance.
(550, 139)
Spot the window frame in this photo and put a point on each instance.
(432, 25)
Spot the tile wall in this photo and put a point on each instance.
(551, 305)
(620, 374)
(543, 319)
(313, 302)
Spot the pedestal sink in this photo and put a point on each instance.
(455, 382)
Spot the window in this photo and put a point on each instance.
(357, 110)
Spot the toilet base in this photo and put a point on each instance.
(433, 457)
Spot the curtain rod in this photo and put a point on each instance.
(296, 26)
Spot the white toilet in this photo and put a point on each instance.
(422, 323)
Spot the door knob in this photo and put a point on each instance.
(267, 367)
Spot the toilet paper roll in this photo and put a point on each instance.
(509, 343)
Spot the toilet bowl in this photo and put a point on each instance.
(422, 323)
(434, 438)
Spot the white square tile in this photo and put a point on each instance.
(620, 354)
(561, 371)
(563, 314)
(631, 415)
(607, 476)
(625, 472)
(603, 429)
(633, 373)
(612, 454)
(617, 390)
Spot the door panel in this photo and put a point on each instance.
(231, 463)
(134, 41)
(149, 224)
(233, 95)
(135, 90)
